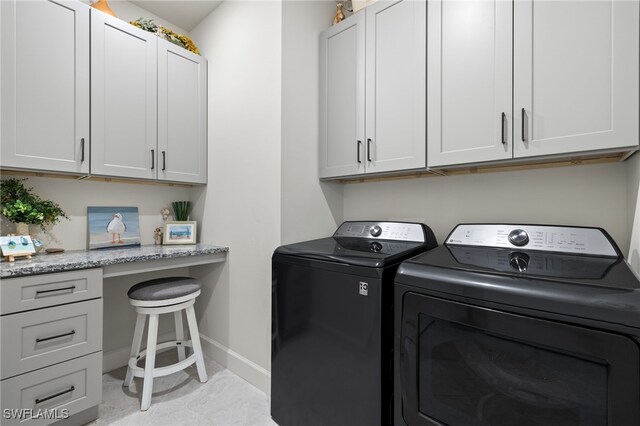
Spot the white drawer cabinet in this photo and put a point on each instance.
(51, 343)
(74, 385)
(44, 86)
(372, 91)
(36, 339)
(39, 291)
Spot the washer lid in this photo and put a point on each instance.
(354, 251)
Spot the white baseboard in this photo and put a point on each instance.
(243, 367)
(117, 358)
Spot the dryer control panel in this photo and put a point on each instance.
(561, 239)
(399, 231)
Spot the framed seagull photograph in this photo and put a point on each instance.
(113, 227)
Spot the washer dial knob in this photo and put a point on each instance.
(519, 261)
(376, 231)
(518, 237)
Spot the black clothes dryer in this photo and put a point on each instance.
(332, 324)
(518, 325)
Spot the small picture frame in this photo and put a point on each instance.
(17, 245)
(179, 232)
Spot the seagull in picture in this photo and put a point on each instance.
(116, 227)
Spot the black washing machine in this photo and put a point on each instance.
(332, 324)
(518, 325)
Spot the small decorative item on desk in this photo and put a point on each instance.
(22, 207)
(111, 227)
(165, 214)
(339, 14)
(179, 233)
(181, 209)
(157, 236)
(13, 246)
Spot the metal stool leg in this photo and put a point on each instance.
(150, 361)
(179, 333)
(135, 346)
(195, 342)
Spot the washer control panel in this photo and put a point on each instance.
(398, 231)
(560, 239)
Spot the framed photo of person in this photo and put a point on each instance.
(183, 232)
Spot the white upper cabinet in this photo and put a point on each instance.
(373, 91)
(182, 114)
(342, 88)
(396, 85)
(576, 76)
(469, 81)
(123, 99)
(44, 85)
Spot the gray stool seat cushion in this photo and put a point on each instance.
(164, 288)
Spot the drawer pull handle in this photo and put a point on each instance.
(55, 395)
(73, 287)
(44, 339)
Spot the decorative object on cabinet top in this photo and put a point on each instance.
(21, 206)
(87, 259)
(103, 6)
(111, 227)
(165, 33)
(339, 14)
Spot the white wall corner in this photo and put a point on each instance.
(243, 367)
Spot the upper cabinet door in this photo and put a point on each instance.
(123, 98)
(576, 76)
(182, 114)
(469, 81)
(342, 85)
(45, 85)
(396, 85)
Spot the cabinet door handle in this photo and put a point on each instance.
(358, 145)
(44, 339)
(164, 161)
(46, 398)
(369, 150)
(524, 117)
(82, 150)
(153, 159)
(73, 287)
(502, 123)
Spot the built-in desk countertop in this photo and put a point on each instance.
(117, 262)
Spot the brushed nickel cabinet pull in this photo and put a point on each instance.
(56, 289)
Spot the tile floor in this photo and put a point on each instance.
(180, 399)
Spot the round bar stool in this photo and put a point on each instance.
(152, 298)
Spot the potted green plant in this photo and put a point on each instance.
(23, 207)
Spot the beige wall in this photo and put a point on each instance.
(74, 196)
(583, 195)
(240, 206)
(633, 211)
(128, 11)
(310, 208)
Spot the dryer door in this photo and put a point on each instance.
(463, 365)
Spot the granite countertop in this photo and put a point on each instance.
(85, 259)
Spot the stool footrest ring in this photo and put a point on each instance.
(169, 369)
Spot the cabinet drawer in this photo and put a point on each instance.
(74, 385)
(39, 291)
(37, 339)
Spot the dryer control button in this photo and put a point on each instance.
(376, 231)
(518, 237)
